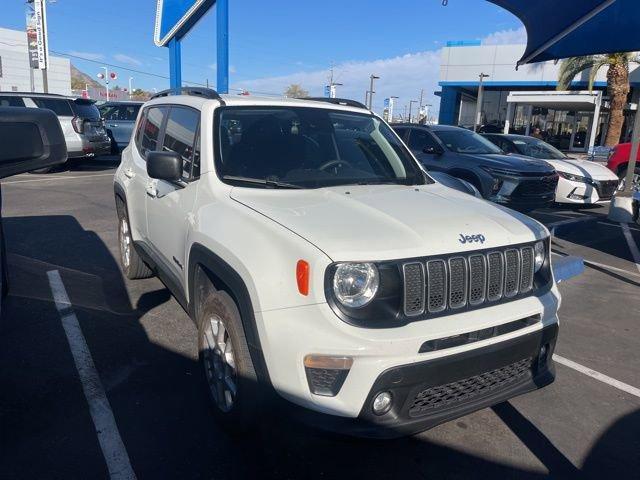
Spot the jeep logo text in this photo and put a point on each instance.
(471, 239)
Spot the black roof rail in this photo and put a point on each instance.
(338, 101)
(207, 93)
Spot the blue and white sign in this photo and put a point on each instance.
(174, 18)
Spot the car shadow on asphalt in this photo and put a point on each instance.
(158, 396)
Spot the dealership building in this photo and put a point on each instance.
(16, 74)
(521, 100)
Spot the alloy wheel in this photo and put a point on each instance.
(125, 243)
(220, 365)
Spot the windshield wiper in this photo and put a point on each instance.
(259, 181)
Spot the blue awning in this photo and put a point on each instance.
(572, 28)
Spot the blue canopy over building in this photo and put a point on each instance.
(572, 28)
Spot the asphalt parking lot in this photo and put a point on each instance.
(144, 349)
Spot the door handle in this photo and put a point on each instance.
(152, 191)
(129, 173)
(113, 125)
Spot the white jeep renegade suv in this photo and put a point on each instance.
(319, 261)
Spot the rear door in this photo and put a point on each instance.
(134, 165)
(170, 205)
(120, 121)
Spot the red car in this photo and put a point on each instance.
(619, 159)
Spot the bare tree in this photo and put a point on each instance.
(295, 91)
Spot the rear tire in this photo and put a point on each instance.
(227, 369)
(132, 265)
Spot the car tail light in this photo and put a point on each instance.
(78, 124)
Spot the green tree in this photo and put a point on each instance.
(617, 84)
(295, 91)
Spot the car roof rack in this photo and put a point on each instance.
(207, 93)
(338, 101)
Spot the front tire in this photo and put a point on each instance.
(227, 368)
(132, 265)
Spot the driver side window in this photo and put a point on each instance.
(420, 139)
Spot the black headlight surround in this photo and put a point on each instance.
(386, 309)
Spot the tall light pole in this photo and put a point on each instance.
(478, 117)
(411, 102)
(130, 87)
(373, 78)
(106, 80)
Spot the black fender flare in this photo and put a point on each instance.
(199, 255)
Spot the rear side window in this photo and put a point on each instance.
(121, 112)
(84, 109)
(60, 107)
(180, 136)
(419, 139)
(11, 102)
(151, 129)
(402, 132)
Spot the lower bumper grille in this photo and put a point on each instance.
(538, 187)
(462, 391)
(606, 189)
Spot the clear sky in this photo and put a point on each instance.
(273, 44)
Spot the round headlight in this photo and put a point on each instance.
(355, 284)
(539, 255)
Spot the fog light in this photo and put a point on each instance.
(382, 403)
(497, 185)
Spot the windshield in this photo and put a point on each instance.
(284, 147)
(466, 141)
(532, 147)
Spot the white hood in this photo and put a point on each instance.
(385, 222)
(584, 168)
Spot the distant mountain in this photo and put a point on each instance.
(79, 80)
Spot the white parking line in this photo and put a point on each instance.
(632, 245)
(50, 179)
(598, 376)
(104, 422)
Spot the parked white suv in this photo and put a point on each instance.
(319, 261)
(79, 118)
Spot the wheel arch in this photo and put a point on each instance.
(468, 176)
(222, 276)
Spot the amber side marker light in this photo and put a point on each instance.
(302, 277)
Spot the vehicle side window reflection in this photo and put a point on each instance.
(151, 130)
(180, 136)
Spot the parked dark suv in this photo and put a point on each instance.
(518, 182)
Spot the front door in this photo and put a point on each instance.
(419, 141)
(170, 205)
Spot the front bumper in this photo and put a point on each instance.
(318, 331)
(526, 192)
(572, 192)
(429, 393)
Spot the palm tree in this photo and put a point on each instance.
(617, 84)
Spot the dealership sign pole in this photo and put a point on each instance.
(37, 40)
(174, 20)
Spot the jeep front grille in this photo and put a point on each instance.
(469, 280)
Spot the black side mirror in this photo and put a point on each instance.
(164, 166)
(432, 150)
(31, 138)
